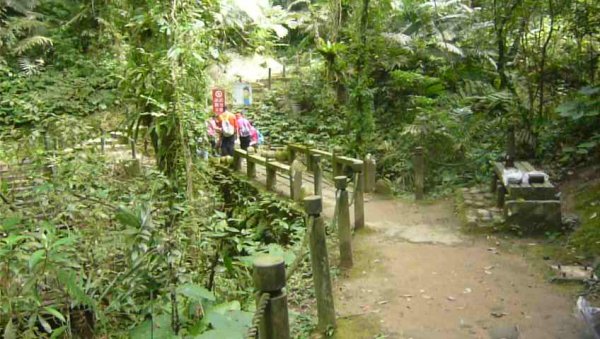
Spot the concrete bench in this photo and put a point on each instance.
(534, 207)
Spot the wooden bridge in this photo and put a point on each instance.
(310, 171)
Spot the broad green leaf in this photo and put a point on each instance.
(10, 222)
(228, 306)
(58, 332)
(13, 239)
(35, 258)
(55, 313)
(45, 324)
(63, 241)
(159, 328)
(10, 332)
(588, 145)
(195, 292)
(128, 218)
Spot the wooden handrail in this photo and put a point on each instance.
(349, 161)
(310, 151)
(279, 166)
(323, 153)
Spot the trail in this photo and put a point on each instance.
(417, 276)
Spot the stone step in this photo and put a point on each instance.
(20, 189)
(14, 179)
(25, 203)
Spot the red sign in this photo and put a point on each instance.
(218, 101)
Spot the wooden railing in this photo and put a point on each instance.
(339, 163)
(361, 173)
(272, 167)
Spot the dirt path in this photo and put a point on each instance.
(416, 276)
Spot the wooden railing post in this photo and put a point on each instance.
(132, 166)
(237, 161)
(317, 174)
(292, 152)
(510, 147)
(500, 195)
(419, 167)
(269, 84)
(102, 141)
(269, 277)
(309, 161)
(320, 263)
(343, 222)
(370, 173)
(494, 183)
(296, 181)
(271, 177)
(336, 166)
(250, 168)
(359, 200)
(133, 152)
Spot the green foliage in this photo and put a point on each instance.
(410, 83)
(584, 105)
(586, 239)
(38, 98)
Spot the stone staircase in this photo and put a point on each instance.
(21, 184)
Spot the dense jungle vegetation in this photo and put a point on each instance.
(91, 251)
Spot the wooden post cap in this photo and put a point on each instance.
(418, 150)
(269, 273)
(316, 157)
(357, 166)
(341, 182)
(313, 205)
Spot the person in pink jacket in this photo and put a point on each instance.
(212, 131)
(244, 131)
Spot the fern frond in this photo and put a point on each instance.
(31, 42)
(22, 24)
(21, 6)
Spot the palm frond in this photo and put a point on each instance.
(31, 42)
(29, 67)
(448, 47)
(400, 38)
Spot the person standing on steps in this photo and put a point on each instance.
(244, 131)
(228, 126)
(212, 131)
(256, 138)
